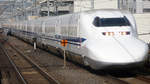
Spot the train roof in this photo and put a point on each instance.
(99, 12)
(107, 13)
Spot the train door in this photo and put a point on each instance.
(57, 26)
(43, 27)
(26, 26)
(43, 31)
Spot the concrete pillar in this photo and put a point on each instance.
(139, 6)
(119, 3)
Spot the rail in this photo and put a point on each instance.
(40, 70)
(142, 78)
(14, 66)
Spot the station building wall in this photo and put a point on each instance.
(82, 5)
(106, 4)
(143, 26)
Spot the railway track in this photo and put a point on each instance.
(137, 80)
(143, 78)
(140, 77)
(38, 68)
(144, 75)
(19, 75)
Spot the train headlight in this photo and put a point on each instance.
(112, 33)
(124, 33)
(108, 33)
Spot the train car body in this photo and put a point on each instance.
(3, 35)
(99, 38)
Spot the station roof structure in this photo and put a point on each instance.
(4, 9)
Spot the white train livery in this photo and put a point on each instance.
(98, 38)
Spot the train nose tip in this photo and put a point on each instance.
(123, 52)
(146, 51)
(141, 53)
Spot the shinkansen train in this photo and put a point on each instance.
(99, 38)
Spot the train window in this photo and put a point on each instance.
(105, 22)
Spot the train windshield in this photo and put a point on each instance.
(106, 22)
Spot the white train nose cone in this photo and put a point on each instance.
(118, 51)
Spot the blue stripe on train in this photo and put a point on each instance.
(58, 38)
(72, 39)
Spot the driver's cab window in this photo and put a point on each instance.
(96, 22)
